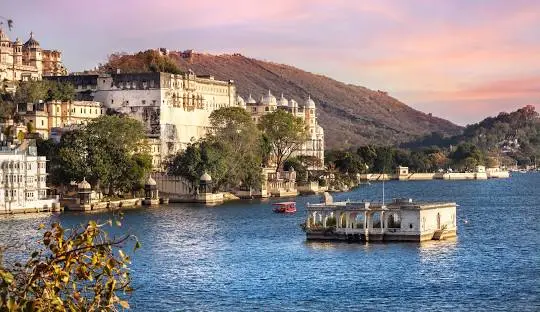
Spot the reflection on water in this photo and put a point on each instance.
(434, 251)
(242, 256)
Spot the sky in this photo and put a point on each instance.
(462, 60)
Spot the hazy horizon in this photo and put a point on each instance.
(460, 60)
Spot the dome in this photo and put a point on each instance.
(240, 101)
(150, 181)
(269, 99)
(293, 103)
(17, 42)
(206, 177)
(283, 101)
(31, 43)
(251, 100)
(84, 185)
(310, 103)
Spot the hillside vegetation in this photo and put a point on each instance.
(350, 115)
(514, 135)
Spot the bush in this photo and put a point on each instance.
(72, 269)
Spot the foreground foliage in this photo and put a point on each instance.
(78, 269)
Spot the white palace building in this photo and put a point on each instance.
(175, 108)
(23, 180)
(306, 110)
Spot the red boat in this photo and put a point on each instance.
(285, 207)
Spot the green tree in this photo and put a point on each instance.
(78, 269)
(30, 128)
(384, 163)
(237, 135)
(7, 107)
(31, 92)
(368, 154)
(466, 156)
(197, 158)
(59, 91)
(299, 167)
(110, 152)
(345, 161)
(285, 133)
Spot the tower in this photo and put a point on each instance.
(32, 55)
(17, 53)
(6, 56)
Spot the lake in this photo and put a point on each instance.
(241, 256)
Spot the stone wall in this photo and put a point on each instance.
(172, 185)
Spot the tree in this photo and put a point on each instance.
(31, 92)
(110, 152)
(147, 61)
(43, 90)
(198, 158)
(345, 161)
(59, 91)
(467, 156)
(237, 135)
(385, 159)
(7, 107)
(30, 128)
(368, 154)
(78, 269)
(285, 133)
(299, 167)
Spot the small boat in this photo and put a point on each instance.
(285, 207)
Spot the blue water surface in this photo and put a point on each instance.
(242, 257)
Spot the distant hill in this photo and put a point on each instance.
(351, 115)
(515, 134)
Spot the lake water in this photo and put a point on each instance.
(243, 257)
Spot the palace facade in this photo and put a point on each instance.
(28, 61)
(174, 109)
(49, 117)
(306, 110)
(23, 180)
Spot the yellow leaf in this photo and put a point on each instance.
(124, 304)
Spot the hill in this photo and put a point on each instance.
(351, 115)
(515, 135)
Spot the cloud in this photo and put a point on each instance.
(430, 54)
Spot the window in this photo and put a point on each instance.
(42, 122)
(143, 102)
(112, 101)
